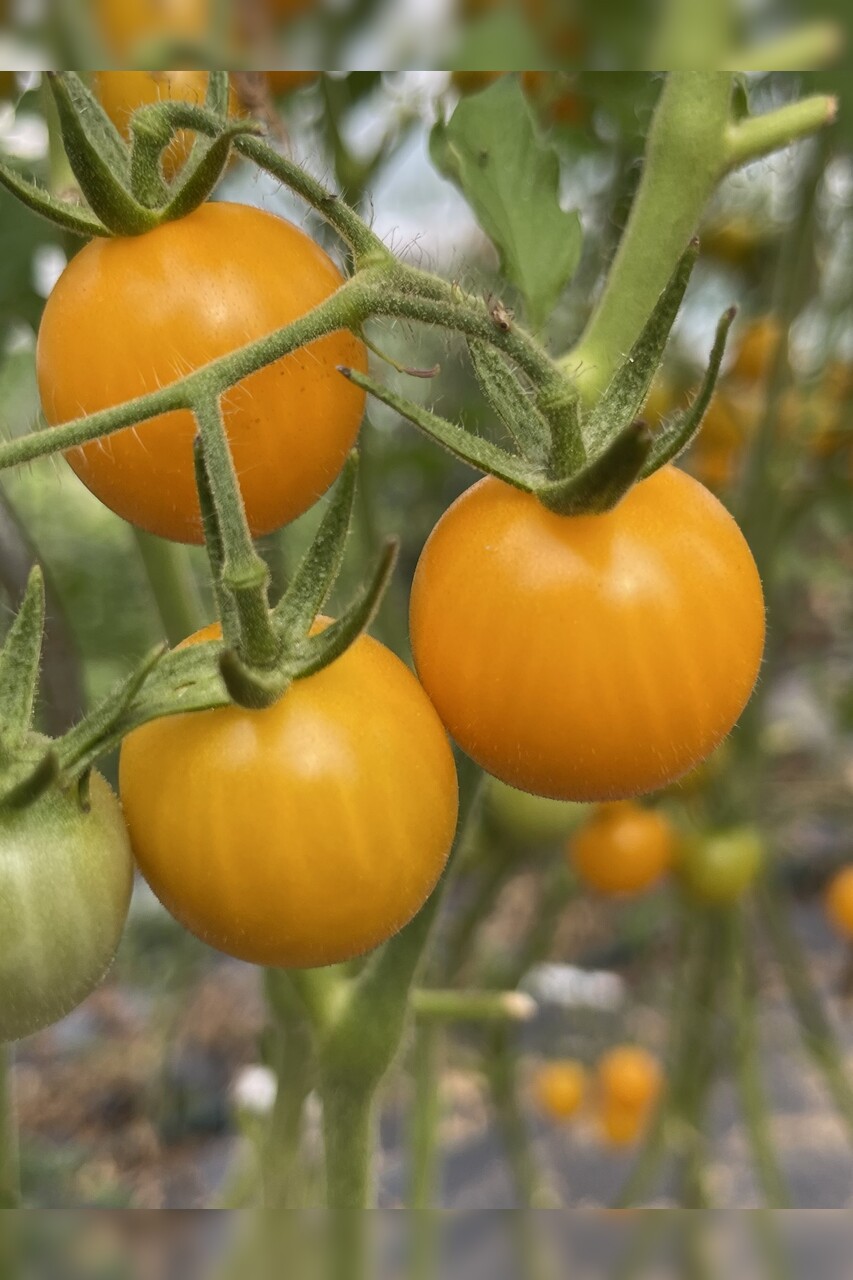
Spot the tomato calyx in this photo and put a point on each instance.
(574, 461)
(123, 185)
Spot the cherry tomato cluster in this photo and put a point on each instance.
(576, 658)
(623, 1091)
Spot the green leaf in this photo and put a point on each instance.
(490, 148)
(501, 38)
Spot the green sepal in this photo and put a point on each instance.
(218, 94)
(200, 176)
(150, 134)
(102, 182)
(99, 126)
(315, 576)
(626, 393)
(563, 415)
(77, 745)
(509, 400)
(19, 664)
(674, 437)
(249, 687)
(31, 781)
(320, 650)
(63, 214)
(477, 452)
(603, 482)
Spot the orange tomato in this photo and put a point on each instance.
(126, 24)
(130, 315)
(839, 902)
(629, 1076)
(588, 657)
(306, 833)
(756, 349)
(122, 92)
(559, 1088)
(622, 848)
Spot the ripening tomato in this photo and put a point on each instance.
(588, 657)
(839, 902)
(719, 868)
(122, 92)
(629, 1082)
(129, 315)
(300, 835)
(559, 1088)
(65, 882)
(531, 820)
(622, 1126)
(124, 25)
(622, 848)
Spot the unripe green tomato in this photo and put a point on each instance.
(532, 820)
(719, 868)
(65, 882)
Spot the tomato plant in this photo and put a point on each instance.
(65, 880)
(231, 273)
(308, 832)
(629, 1081)
(720, 867)
(623, 848)
(594, 657)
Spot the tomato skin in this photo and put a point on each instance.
(589, 657)
(304, 834)
(129, 315)
(720, 867)
(839, 902)
(622, 849)
(122, 92)
(65, 883)
(559, 1088)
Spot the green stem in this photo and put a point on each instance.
(472, 1006)
(684, 159)
(365, 1035)
(755, 136)
(349, 1135)
(815, 1029)
(748, 1071)
(343, 310)
(173, 585)
(9, 1183)
(425, 1116)
(244, 573)
(293, 1061)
